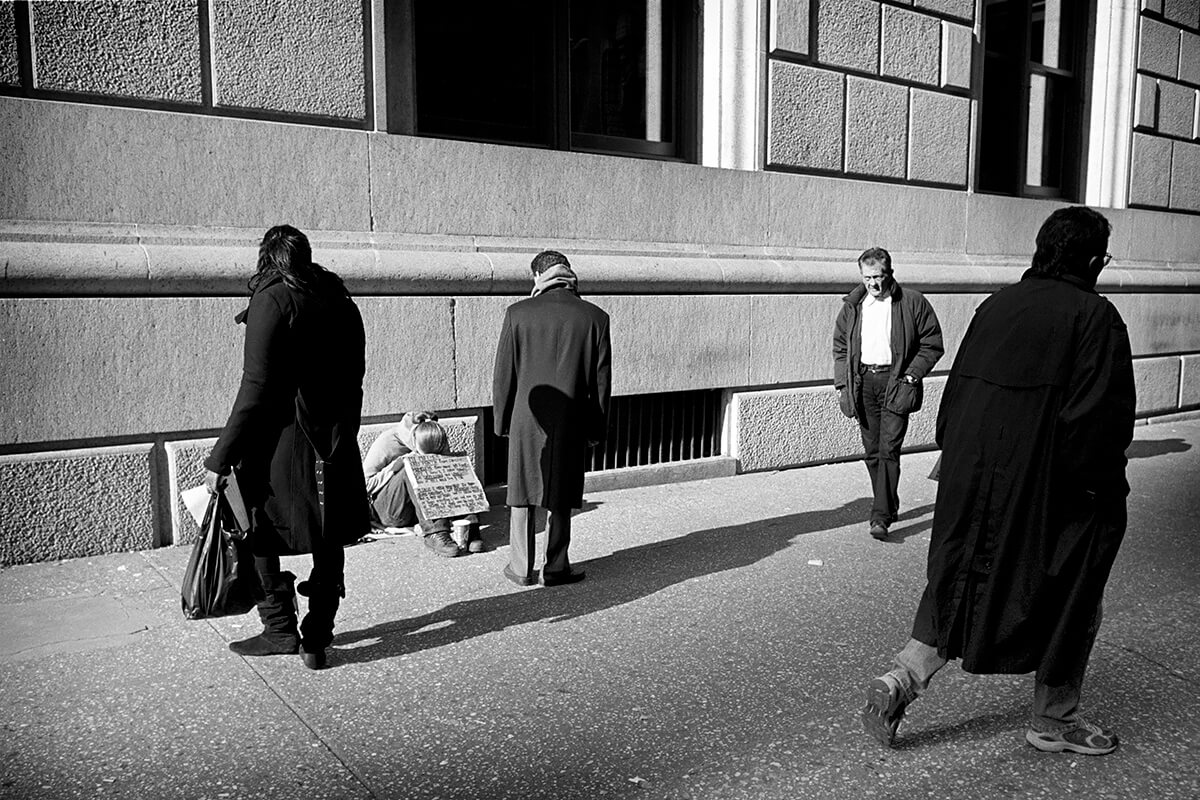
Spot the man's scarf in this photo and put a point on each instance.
(553, 278)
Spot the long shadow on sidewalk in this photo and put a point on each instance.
(613, 580)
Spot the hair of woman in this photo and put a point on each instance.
(430, 437)
(285, 253)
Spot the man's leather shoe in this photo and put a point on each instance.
(562, 578)
(517, 579)
(879, 530)
(314, 660)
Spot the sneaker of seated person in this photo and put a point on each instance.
(1086, 738)
(443, 544)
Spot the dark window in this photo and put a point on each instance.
(1031, 132)
(614, 77)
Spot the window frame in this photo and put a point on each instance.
(1073, 78)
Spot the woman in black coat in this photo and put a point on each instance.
(293, 438)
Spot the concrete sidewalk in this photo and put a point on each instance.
(718, 649)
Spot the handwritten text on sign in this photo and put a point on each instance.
(444, 486)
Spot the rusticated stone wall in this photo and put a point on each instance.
(300, 57)
(1165, 169)
(871, 89)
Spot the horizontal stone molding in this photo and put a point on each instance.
(101, 260)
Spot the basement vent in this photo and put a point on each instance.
(660, 428)
(642, 430)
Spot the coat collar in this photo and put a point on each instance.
(240, 319)
(859, 292)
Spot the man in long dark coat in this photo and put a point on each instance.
(1033, 426)
(550, 394)
(293, 438)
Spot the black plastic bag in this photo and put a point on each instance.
(220, 580)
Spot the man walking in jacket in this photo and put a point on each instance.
(886, 339)
(550, 396)
(1035, 418)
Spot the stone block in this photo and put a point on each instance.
(1189, 382)
(1185, 176)
(959, 9)
(910, 46)
(958, 44)
(10, 58)
(1158, 49)
(805, 108)
(1145, 112)
(185, 470)
(790, 334)
(438, 186)
(660, 343)
(307, 60)
(1150, 171)
(410, 353)
(1160, 323)
(939, 138)
(876, 128)
(151, 167)
(780, 428)
(663, 343)
(789, 25)
(1153, 6)
(138, 49)
(1185, 12)
(1157, 236)
(1005, 226)
(1157, 384)
(1189, 57)
(823, 212)
(848, 34)
(174, 363)
(76, 503)
(1176, 109)
(477, 323)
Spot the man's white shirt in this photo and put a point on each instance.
(877, 330)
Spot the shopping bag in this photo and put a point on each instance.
(220, 579)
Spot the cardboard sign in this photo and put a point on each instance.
(444, 486)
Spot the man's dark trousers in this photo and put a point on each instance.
(882, 437)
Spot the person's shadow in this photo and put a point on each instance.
(613, 580)
(1156, 447)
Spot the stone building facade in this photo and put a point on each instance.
(145, 147)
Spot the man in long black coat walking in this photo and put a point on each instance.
(550, 394)
(293, 438)
(1033, 426)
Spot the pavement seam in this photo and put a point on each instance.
(1174, 673)
(303, 721)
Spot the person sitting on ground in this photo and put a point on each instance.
(391, 496)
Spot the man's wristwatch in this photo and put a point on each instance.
(909, 379)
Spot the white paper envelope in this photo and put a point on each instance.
(196, 500)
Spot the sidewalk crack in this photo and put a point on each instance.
(1169, 670)
(329, 748)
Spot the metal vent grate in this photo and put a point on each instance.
(660, 428)
(642, 429)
